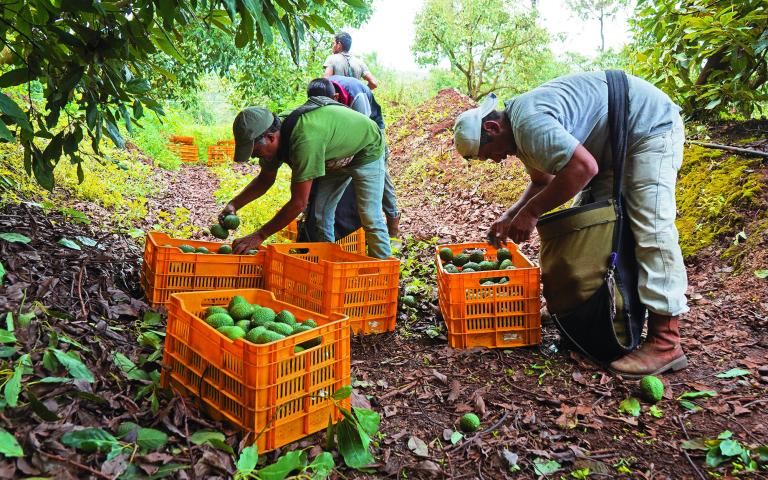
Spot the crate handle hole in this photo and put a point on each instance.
(369, 271)
(298, 251)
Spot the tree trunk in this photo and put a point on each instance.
(602, 34)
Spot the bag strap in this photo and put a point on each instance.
(286, 129)
(618, 115)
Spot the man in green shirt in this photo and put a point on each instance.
(330, 141)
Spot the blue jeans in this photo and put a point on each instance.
(389, 201)
(368, 182)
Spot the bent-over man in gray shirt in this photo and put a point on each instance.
(560, 133)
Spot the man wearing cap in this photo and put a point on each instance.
(330, 141)
(560, 133)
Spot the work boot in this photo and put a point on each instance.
(659, 353)
(393, 226)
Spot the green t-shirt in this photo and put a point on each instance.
(330, 138)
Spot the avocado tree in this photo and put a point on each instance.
(93, 62)
(601, 10)
(492, 45)
(708, 55)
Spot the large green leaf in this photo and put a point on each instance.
(151, 439)
(13, 385)
(322, 466)
(287, 463)
(9, 107)
(15, 237)
(90, 440)
(368, 419)
(249, 457)
(131, 371)
(9, 446)
(6, 134)
(353, 445)
(6, 336)
(74, 366)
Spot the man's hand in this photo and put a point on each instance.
(497, 234)
(522, 225)
(241, 246)
(228, 210)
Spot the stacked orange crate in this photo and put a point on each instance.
(496, 315)
(324, 278)
(268, 389)
(166, 269)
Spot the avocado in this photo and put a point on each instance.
(211, 310)
(201, 250)
(468, 270)
(269, 336)
(487, 266)
(409, 300)
(450, 268)
(309, 323)
(251, 252)
(281, 328)
(235, 300)
(651, 388)
(474, 266)
(219, 320)
(503, 254)
(263, 315)
(469, 422)
(231, 332)
(476, 256)
(505, 263)
(446, 254)
(225, 250)
(254, 333)
(244, 324)
(230, 222)
(186, 248)
(285, 317)
(219, 232)
(241, 311)
(299, 328)
(461, 259)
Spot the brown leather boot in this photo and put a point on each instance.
(659, 353)
(393, 226)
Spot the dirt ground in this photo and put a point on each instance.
(537, 404)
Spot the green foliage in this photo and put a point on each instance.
(493, 46)
(712, 190)
(253, 216)
(93, 63)
(724, 448)
(709, 56)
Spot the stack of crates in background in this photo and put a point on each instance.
(223, 151)
(491, 315)
(166, 269)
(184, 147)
(269, 389)
(324, 278)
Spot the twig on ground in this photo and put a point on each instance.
(729, 148)
(398, 390)
(76, 464)
(688, 457)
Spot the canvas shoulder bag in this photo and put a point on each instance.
(588, 266)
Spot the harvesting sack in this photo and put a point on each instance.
(588, 265)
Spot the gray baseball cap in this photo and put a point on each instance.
(249, 124)
(468, 125)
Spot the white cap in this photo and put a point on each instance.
(468, 125)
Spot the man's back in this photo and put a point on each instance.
(346, 65)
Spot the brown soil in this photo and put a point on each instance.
(535, 403)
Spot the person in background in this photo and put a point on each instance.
(560, 133)
(341, 62)
(358, 97)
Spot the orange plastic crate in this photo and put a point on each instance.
(220, 153)
(324, 278)
(167, 270)
(496, 316)
(268, 389)
(187, 153)
(354, 242)
(181, 139)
